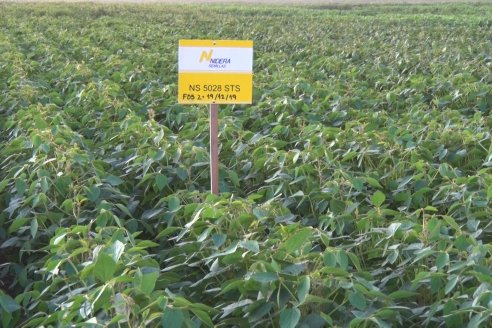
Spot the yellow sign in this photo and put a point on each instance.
(215, 72)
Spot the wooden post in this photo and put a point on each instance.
(214, 149)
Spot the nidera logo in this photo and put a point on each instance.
(206, 56)
(214, 62)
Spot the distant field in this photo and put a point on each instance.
(355, 191)
(275, 2)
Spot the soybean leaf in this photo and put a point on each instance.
(203, 316)
(173, 203)
(442, 260)
(161, 181)
(452, 281)
(145, 279)
(264, 277)
(378, 198)
(172, 318)
(8, 304)
(251, 245)
(104, 267)
(358, 300)
(303, 288)
(289, 317)
(296, 241)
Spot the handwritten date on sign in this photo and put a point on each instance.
(211, 92)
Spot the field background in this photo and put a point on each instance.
(270, 2)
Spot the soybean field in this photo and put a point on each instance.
(356, 190)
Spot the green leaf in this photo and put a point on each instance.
(399, 294)
(355, 261)
(219, 239)
(159, 154)
(58, 239)
(210, 213)
(303, 288)
(63, 185)
(264, 277)
(182, 173)
(149, 214)
(234, 178)
(5, 182)
(104, 267)
(230, 308)
(327, 318)
(250, 245)
(6, 318)
(161, 181)
(45, 148)
(380, 323)
(17, 224)
(260, 311)
(260, 213)
(172, 318)
(296, 241)
(477, 319)
(67, 205)
(446, 171)
(103, 218)
(391, 97)
(93, 193)
(337, 206)
(378, 198)
(289, 317)
(431, 209)
(452, 281)
(113, 180)
(452, 321)
(461, 243)
(146, 244)
(173, 203)
(145, 279)
(20, 186)
(8, 304)
(452, 223)
(40, 123)
(373, 182)
(116, 249)
(203, 316)
(330, 259)
(358, 184)
(34, 227)
(442, 260)
(124, 209)
(166, 232)
(44, 184)
(335, 271)
(342, 259)
(181, 302)
(358, 300)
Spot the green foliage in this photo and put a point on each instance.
(356, 189)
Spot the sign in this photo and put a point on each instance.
(215, 72)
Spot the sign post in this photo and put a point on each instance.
(214, 149)
(215, 72)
